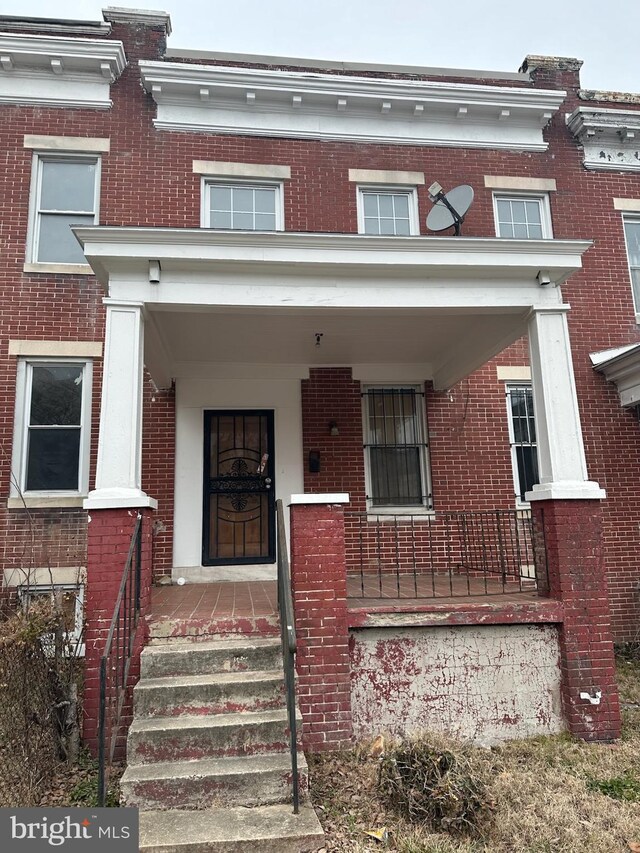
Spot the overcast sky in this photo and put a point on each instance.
(480, 34)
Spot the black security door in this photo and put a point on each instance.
(239, 488)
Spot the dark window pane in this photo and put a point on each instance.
(56, 395)
(395, 476)
(53, 459)
(527, 458)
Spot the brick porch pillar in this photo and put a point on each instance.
(109, 539)
(319, 580)
(573, 534)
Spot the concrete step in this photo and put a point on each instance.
(256, 780)
(189, 738)
(264, 829)
(220, 693)
(177, 657)
(196, 629)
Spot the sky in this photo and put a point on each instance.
(478, 34)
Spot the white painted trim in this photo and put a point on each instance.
(56, 349)
(216, 168)
(329, 498)
(609, 137)
(514, 374)
(630, 205)
(207, 182)
(58, 269)
(18, 494)
(320, 105)
(383, 176)
(392, 374)
(545, 209)
(71, 144)
(584, 490)
(118, 499)
(378, 189)
(497, 182)
(621, 366)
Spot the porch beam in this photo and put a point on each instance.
(561, 460)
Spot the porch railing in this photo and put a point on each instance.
(446, 555)
(116, 658)
(289, 645)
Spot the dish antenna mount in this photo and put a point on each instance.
(449, 209)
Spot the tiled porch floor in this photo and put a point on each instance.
(208, 602)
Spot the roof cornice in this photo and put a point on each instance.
(307, 104)
(610, 137)
(58, 71)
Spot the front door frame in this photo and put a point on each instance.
(206, 490)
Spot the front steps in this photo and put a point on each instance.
(210, 736)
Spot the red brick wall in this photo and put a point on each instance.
(147, 179)
(158, 465)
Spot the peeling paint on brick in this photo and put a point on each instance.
(481, 682)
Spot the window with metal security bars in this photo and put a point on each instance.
(522, 437)
(387, 212)
(522, 217)
(632, 237)
(396, 448)
(242, 207)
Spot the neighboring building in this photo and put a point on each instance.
(216, 271)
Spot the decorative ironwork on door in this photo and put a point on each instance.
(239, 489)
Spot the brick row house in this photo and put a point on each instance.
(219, 291)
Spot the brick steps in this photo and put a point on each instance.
(210, 735)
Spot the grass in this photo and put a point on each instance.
(543, 795)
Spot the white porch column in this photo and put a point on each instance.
(118, 474)
(561, 460)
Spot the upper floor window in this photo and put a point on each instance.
(524, 217)
(396, 448)
(387, 211)
(522, 438)
(51, 442)
(242, 206)
(632, 236)
(65, 192)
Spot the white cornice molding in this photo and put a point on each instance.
(611, 138)
(308, 105)
(621, 366)
(115, 248)
(57, 71)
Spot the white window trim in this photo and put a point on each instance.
(425, 466)
(31, 263)
(18, 495)
(545, 209)
(520, 504)
(624, 218)
(73, 638)
(380, 189)
(208, 181)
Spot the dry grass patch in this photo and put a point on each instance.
(543, 795)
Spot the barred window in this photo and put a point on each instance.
(522, 436)
(396, 448)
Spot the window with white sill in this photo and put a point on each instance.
(242, 206)
(52, 428)
(389, 211)
(522, 438)
(64, 192)
(522, 217)
(632, 238)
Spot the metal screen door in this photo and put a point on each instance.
(239, 488)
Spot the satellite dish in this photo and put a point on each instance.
(450, 208)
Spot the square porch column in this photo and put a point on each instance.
(319, 581)
(566, 505)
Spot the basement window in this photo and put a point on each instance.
(69, 600)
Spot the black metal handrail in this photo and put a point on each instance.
(446, 555)
(116, 658)
(289, 645)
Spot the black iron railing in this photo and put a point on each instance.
(116, 658)
(446, 555)
(288, 636)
